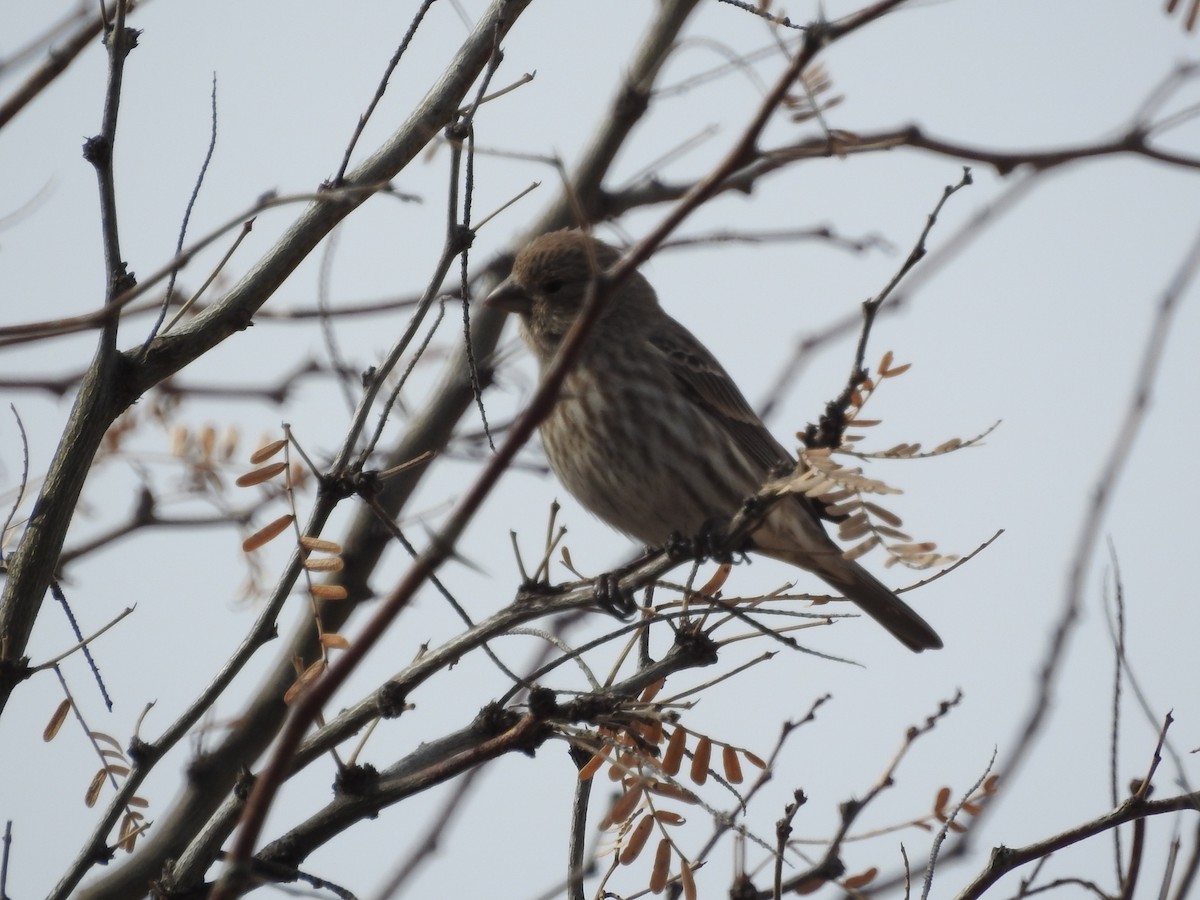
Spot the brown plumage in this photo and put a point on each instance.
(653, 436)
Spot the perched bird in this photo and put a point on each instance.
(653, 436)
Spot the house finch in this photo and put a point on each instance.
(653, 436)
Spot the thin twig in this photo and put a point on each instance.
(187, 215)
(380, 90)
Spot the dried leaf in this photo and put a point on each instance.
(754, 760)
(913, 549)
(637, 840)
(862, 549)
(854, 527)
(844, 476)
(717, 581)
(651, 732)
(885, 514)
(258, 476)
(650, 691)
(229, 443)
(262, 454)
(662, 867)
(686, 881)
(127, 834)
(318, 544)
(592, 766)
(844, 508)
(93, 791)
(107, 739)
(311, 674)
(675, 792)
(947, 446)
(56, 721)
(864, 423)
(939, 803)
(324, 564)
(674, 752)
(328, 592)
(731, 764)
(139, 802)
(667, 817)
(117, 771)
(177, 441)
(267, 533)
(886, 362)
(207, 440)
(624, 805)
(334, 641)
(819, 486)
(897, 370)
(861, 880)
(894, 533)
(700, 759)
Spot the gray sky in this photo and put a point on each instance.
(1040, 322)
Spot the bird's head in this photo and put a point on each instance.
(549, 282)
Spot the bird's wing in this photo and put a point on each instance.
(709, 386)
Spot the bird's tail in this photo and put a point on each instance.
(876, 600)
(794, 534)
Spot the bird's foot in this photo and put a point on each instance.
(713, 540)
(611, 597)
(711, 543)
(679, 548)
(539, 587)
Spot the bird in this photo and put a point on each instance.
(651, 434)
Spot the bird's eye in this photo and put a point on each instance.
(552, 286)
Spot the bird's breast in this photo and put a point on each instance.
(641, 456)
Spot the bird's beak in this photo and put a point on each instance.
(509, 297)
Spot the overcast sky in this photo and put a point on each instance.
(1040, 322)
